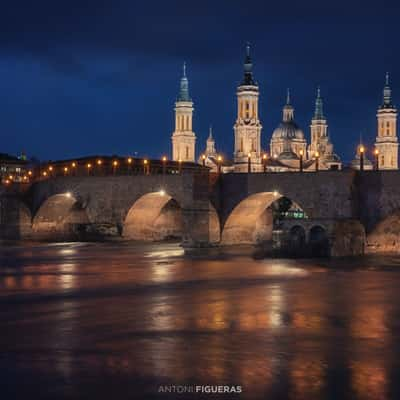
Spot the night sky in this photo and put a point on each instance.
(101, 77)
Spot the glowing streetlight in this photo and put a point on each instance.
(99, 162)
(316, 161)
(162, 192)
(65, 170)
(44, 173)
(275, 193)
(180, 165)
(264, 160)
(362, 150)
(219, 161)
(301, 160)
(50, 168)
(203, 159)
(248, 163)
(30, 173)
(129, 160)
(376, 154)
(164, 164)
(68, 194)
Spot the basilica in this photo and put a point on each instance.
(288, 148)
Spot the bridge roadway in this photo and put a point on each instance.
(356, 210)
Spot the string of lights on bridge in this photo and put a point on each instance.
(116, 165)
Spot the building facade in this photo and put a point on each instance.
(386, 139)
(183, 138)
(247, 127)
(320, 142)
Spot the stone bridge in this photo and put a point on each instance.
(348, 209)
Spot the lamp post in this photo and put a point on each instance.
(73, 166)
(164, 165)
(264, 159)
(99, 163)
(180, 165)
(316, 161)
(89, 167)
(50, 170)
(248, 163)
(65, 171)
(129, 161)
(114, 166)
(219, 162)
(301, 160)
(203, 159)
(362, 150)
(376, 154)
(146, 166)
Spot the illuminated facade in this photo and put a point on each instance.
(247, 127)
(386, 140)
(183, 138)
(320, 141)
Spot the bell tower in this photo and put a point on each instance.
(386, 140)
(247, 127)
(183, 138)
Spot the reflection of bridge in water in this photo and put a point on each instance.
(335, 209)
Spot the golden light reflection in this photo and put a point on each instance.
(369, 380)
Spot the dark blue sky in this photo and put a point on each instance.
(100, 77)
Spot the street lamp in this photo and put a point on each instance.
(65, 171)
(248, 163)
(316, 161)
(301, 160)
(164, 164)
(89, 166)
(73, 165)
(203, 159)
(180, 165)
(219, 162)
(115, 165)
(265, 162)
(376, 154)
(362, 150)
(146, 166)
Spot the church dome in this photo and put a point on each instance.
(288, 130)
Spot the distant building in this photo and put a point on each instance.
(386, 139)
(247, 127)
(13, 168)
(183, 138)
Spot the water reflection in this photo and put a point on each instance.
(120, 317)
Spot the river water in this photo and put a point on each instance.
(127, 321)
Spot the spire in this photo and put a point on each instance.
(184, 87)
(318, 114)
(248, 69)
(210, 144)
(288, 110)
(210, 136)
(387, 93)
(288, 97)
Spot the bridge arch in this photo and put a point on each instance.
(252, 220)
(318, 241)
(60, 217)
(154, 216)
(158, 216)
(297, 239)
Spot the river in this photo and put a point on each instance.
(132, 321)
